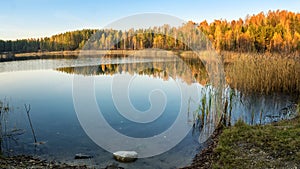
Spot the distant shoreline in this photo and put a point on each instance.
(227, 56)
(104, 52)
(74, 54)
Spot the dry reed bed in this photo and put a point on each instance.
(261, 73)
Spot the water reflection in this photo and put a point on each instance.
(171, 68)
(251, 108)
(259, 109)
(47, 84)
(189, 70)
(49, 93)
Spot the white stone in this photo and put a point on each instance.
(125, 156)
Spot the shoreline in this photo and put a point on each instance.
(26, 161)
(245, 146)
(203, 158)
(97, 53)
(226, 56)
(77, 53)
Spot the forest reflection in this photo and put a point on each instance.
(190, 70)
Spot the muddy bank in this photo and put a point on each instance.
(23, 161)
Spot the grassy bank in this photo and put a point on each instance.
(242, 146)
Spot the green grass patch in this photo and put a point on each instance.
(275, 145)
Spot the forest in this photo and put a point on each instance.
(274, 31)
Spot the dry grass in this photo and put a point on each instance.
(262, 73)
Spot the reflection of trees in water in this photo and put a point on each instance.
(190, 70)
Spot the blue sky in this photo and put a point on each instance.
(39, 18)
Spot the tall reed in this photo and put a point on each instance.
(260, 73)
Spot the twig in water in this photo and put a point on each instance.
(27, 108)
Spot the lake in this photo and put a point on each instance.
(52, 86)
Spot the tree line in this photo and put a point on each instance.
(275, 31)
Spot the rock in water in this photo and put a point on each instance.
(125, 156)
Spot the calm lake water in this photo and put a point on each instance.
(47, 85)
